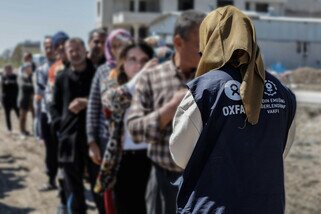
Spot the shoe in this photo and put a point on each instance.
(47, 187)
(26, 133)
(62, 209)
(23, 136)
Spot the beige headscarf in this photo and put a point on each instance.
(223, 33)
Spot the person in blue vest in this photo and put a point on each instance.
(235, 125)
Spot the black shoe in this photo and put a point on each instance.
(26, 133)
(48, 187)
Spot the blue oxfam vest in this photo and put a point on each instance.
(236, 167)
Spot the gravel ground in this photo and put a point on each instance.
(303, 164)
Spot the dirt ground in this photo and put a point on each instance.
(303, 164)
(22, 170)
(22, 173)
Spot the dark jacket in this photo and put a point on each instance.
(26, 91)
(9, 88)
(71, 127)
(237, 167)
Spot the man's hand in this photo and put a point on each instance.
(94, 153)
(168, 111)
(77, 105)
(178, 97)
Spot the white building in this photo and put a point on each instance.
(136, 15)
(292, 42)
(306, 8)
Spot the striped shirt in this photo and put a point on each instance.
(154, 89)
(41, 86)
(96, 122)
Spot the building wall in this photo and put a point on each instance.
(204, 5)
(289, 55)
(306, 5)
(169, 5)
(267, 1)
(164, 28)
(104, 13)
(292, 42)
(121, 5)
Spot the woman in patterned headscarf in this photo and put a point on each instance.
(114, 43)
(97, 134)
(123, 160)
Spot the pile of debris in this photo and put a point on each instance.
(303, 78)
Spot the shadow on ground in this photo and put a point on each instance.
(9, 178)
(14, 210)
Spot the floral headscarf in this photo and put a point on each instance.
(120, 34)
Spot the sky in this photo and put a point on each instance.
(22, 20)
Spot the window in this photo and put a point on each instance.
(132, 31)
(262, 7)
(247, 6)
(142, 6)
(131, 6)
(185, 4)
(98, 8)
(222, 3)
(142, 32)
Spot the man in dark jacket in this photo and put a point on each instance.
(96, 41)
(68, 111)
(9, 88)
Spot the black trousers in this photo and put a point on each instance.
(7, 111)
(161, 193)
(51, 148)
(93, 170)
(131, 182)
(73, 179)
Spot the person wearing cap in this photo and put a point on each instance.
(234, 126)
(58, 40)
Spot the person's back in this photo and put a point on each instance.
(231, 130)
(239, 166)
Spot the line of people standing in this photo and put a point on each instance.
(18, 94)
(107, 114)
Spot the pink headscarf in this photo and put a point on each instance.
(120, 34)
